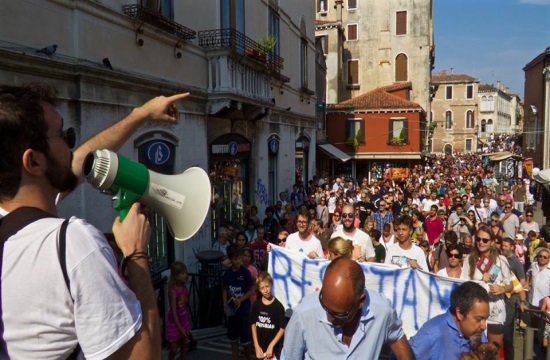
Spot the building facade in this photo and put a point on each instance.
(373, 45)
(378, 134)
(454, 125)
(251, 114)
(536, 123)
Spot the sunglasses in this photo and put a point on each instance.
(282, 240)
(542, 257)
(348, 215)
(485, 240)
(456, 256)
(342, 316)
(68, 135)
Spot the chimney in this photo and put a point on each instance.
(443, 72)
(498, 85)
(452, 71)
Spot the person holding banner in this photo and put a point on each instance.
(485, 265)
(344, 320)
(458, 330)
(405, 252)
(302, 240)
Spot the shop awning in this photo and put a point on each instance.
(334, 152)
(503, 156)
(388, 156)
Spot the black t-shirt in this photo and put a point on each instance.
(237, 284)
(268, 320)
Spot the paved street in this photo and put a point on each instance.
(212, 344)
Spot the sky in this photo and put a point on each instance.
(491, 40)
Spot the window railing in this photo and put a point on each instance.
(240, 44)
(153, 18)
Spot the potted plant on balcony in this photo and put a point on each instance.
(263, 46)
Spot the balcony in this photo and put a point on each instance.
(153, 18)
(242, 48)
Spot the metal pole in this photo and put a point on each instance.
(528, 342)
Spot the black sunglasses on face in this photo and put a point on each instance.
(347, 215)
(68, 135)
(345, 316)
(485, 240)
(456, 256)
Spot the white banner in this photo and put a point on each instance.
(416, 295)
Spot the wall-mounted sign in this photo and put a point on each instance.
(230, 144)
(273, 145)
(158, 153)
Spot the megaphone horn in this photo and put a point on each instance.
(182, 199)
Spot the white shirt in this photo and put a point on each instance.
(40, 318)
(294, 242)
(395, 253)
(359, 238)
(540, 284)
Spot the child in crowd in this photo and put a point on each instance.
(248, 262)
(178, 326)
(379, 249)
(237, 290)
(267, 320)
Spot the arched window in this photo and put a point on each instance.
(448, 120)
(490, 126)
(483, 126)
(470, 119)
(448, 149)
(401, 68)
(490, 104)
(484, 103)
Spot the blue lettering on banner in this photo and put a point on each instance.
(233, 148)
(415, 295)
(158, 153)
(261, 193)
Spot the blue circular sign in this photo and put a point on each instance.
(233, 147)
(274, 145)
(158, 153)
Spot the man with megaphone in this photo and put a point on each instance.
(61, 293)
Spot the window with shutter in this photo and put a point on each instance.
(352, 4)
(401, 68)
(352, 32)
(401, 23)
(353, 72)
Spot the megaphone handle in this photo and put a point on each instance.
(122, 213)
(122, 202)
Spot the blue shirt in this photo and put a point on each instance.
(439, 338)
(309, 335)
(380, 221)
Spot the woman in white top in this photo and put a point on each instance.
(486, 266)
(454, 269)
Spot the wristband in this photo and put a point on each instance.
(133, 256)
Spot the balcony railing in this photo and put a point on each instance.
(240, 44)
(153, 18)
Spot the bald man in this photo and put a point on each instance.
(344, 320)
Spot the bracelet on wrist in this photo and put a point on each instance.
(133, 256)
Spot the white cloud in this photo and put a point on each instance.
(535, 2)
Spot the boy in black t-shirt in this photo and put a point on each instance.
(238, 287)
(267, 320)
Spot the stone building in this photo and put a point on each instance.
(248, 122)
(454, 124)
(385, 43)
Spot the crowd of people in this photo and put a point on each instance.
(450, 217)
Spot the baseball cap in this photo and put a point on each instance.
(542, 176)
